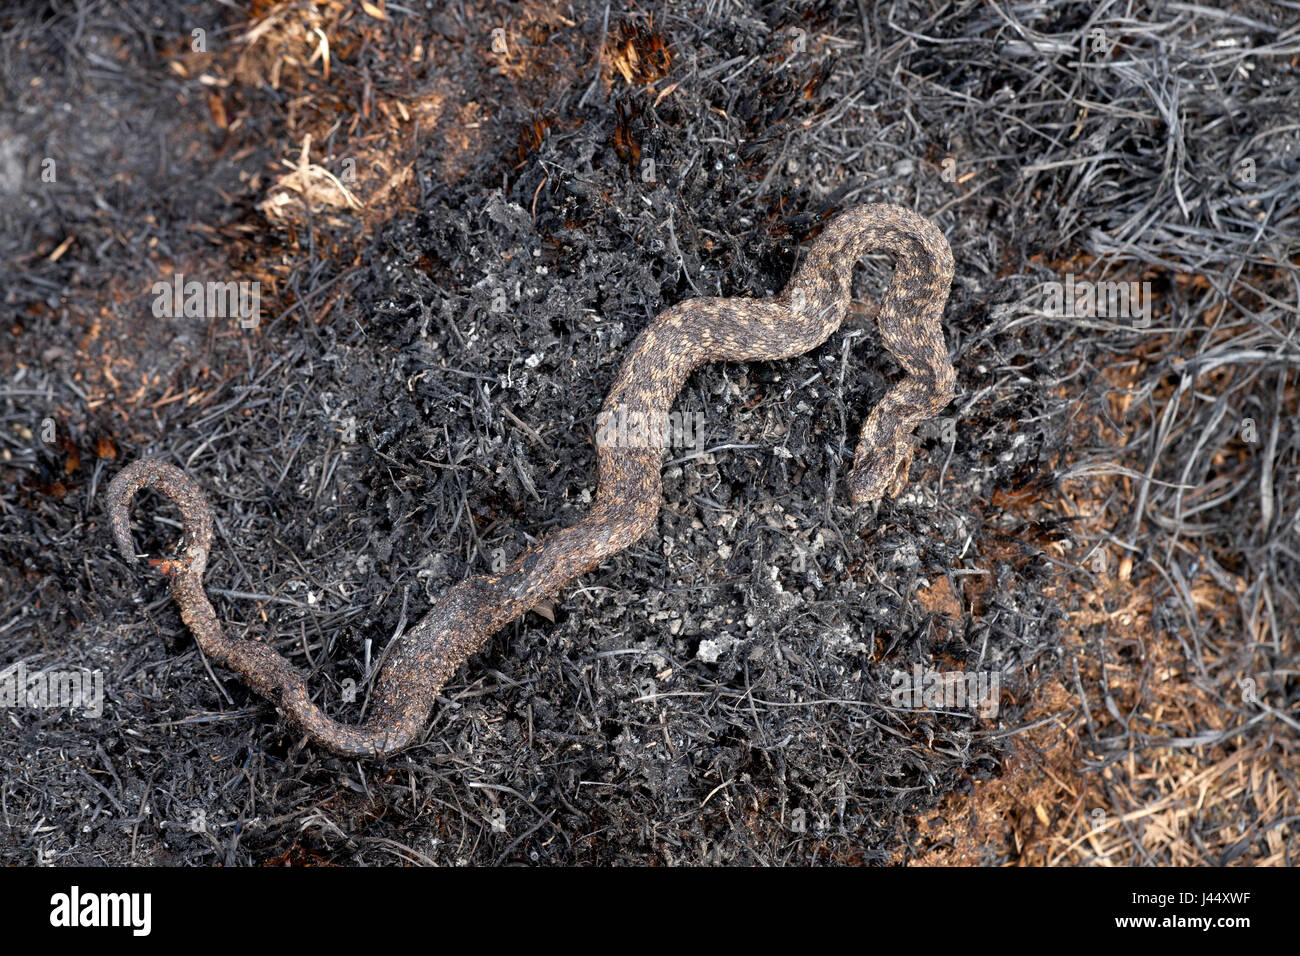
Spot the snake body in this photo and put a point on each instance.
(680, 339)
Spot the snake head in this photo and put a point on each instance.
(880, 472)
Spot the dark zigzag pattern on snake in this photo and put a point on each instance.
(678, 340)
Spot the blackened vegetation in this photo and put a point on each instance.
(720, 692)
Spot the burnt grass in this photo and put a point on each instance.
(420, 396)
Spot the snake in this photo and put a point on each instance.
(419, 661)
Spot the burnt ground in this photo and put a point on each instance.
(459, 219)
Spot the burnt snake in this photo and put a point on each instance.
(680, 339)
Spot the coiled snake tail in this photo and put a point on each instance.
(678, 340)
